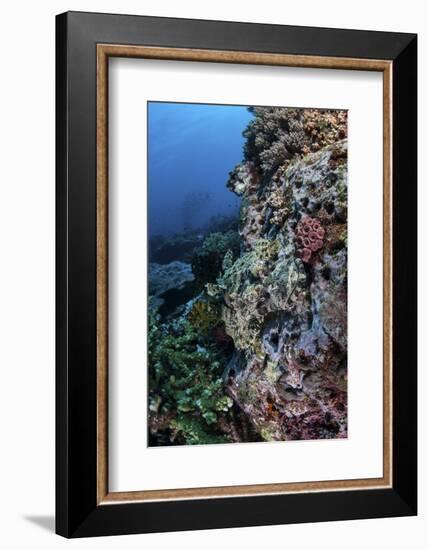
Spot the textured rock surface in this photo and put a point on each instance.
(164, 278)
(248, 335)
(285, 297)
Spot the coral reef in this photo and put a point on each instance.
(277, 135)
(165, 277)
(285, 297)
(309, 238)
(255, 348)
(208, 259)
(170, 284)
(186, 390)
(203, 316)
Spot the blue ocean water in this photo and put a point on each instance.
(191, 150)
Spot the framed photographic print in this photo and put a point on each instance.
(236, 274)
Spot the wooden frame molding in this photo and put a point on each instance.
(104, 52)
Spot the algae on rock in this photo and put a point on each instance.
(286, 310)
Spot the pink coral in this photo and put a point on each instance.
(309, 237)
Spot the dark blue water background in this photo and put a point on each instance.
(191, 150)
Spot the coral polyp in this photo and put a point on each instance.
(309, 238)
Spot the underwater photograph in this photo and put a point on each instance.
(247, 308)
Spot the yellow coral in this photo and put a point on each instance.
(244, 331)
(203, 316)
(265, 249)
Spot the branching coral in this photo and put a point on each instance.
(277, 135)
(193, 431)
(185, 380)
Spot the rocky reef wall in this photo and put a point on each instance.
(267, 327)
(285, 297)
